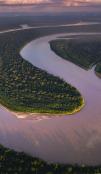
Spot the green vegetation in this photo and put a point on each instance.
(85, 52)
(12, 162)
(98, 70)
(26, 88)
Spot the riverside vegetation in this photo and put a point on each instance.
(26, 88)
(98, 70)
(13, 71)
(12, 162)
(84, 52)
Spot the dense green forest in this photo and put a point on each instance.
(84, 52)
(98, 70)
(26, 88)
(12, 162)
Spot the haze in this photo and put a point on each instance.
(64, 2)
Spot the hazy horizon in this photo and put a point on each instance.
(37, 6)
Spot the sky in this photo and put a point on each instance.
(62, 2)
(49, 5)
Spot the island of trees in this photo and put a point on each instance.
(83, 51)
(26, 88)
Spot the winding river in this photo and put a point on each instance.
(67, 139)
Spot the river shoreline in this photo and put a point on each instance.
(63, 139)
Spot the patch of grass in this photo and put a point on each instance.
(25, 88)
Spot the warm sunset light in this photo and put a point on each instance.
(50, 86)
(25, 1)
(66, 2)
